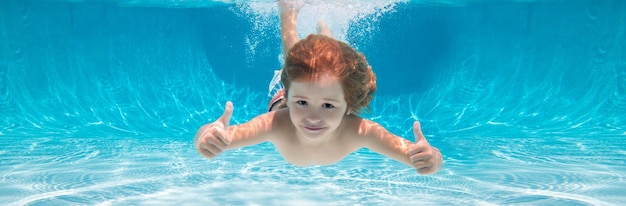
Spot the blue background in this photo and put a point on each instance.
(512, 69)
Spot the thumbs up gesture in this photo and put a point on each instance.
(213, 138)
(426, 159)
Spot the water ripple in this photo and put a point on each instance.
(163, 171)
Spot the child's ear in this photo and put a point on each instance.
(348, 111)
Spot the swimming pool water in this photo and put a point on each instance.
(99, 102)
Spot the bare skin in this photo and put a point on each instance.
(314, 130)
(288, 23)
(316, 127)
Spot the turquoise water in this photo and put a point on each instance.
(99, 102)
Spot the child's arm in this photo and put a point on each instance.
(420, 155)
(213, 138)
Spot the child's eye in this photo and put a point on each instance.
(327, 106)
(302, 102)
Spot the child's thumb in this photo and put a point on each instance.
(228, 112)
(417, 131)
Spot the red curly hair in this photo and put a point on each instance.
(317, 54)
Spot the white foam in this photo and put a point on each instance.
(339, 15)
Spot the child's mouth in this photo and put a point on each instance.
(313, 129)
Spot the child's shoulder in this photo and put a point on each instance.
(356, 120)
(353, 123)
(360, 126)
(272, 121)
(280, 118)
(272, 125)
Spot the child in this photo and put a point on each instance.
(326, 83)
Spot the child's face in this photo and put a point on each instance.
(316, 107)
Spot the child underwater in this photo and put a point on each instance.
(314, 119)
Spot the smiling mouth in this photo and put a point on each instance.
(314, 129)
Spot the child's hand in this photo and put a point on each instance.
(211, 139)
(425, 159)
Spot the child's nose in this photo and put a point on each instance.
(313, 117)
